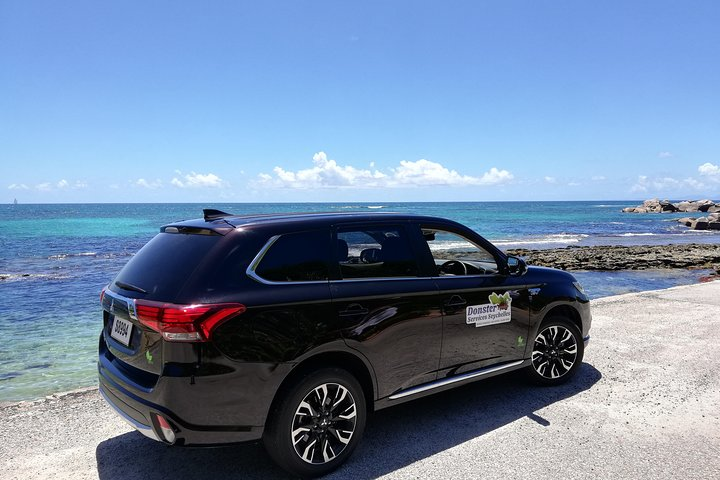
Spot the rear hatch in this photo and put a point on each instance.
(160, 275)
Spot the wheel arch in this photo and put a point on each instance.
(339, 359)
(565, 311)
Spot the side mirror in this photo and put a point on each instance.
(516, 266)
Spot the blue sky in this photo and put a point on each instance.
(358, 101)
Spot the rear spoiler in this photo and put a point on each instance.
(210, 214)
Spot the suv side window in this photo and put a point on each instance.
(297, 257)
(450, 249)
(375, 252)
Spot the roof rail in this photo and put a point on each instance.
(212, 214)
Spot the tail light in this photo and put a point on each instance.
(183, 323)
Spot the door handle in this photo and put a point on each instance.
(456, 301)
(354, 309)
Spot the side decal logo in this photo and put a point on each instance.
(499, 310)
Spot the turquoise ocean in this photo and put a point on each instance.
(55, 259)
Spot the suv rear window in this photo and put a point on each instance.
(165, 264)
(297, 257)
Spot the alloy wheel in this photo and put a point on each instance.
(324, 423)
(555, 352)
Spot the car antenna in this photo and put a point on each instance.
(212, 214)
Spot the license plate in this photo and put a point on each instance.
(121, 331)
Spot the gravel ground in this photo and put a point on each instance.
(645, 405)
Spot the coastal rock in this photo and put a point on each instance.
(664, 206)
(711, 222)
(687, 206)
(704, 205)
(638, 257)
(700, 224)
(687, 221)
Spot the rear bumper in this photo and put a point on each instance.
(115, 402)
(202, 410)
(141, 414)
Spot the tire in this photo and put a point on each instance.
(317, 423)
(557, 352)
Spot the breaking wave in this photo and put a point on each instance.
(555, 239)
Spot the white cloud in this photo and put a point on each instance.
(198, 180)
(574, 184)
(665, 184)
(425, 172)
(327, 173)
(324, 173)
(141, 182)
(495, 176)
(665, 154)
(599, 178)
(18, 186)
(709, 169)
(550, 179)
(51, 187)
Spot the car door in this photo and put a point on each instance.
(388, 312)
(485, 311)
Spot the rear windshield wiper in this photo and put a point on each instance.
(127, 286)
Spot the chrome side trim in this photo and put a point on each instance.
(451, 380)
(377, 279)
(478, 275)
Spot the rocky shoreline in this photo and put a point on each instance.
(637, 257)
(709, 222)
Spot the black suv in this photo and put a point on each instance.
(291, 328)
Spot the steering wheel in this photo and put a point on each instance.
(370, 255)
(453, 267)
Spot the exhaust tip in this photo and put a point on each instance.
(166, 429)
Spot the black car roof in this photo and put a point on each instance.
(214, 219)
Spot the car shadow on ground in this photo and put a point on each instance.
(394, 437)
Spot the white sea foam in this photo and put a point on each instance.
(61, 256)
(376, 206)
(444, 246)
(700, 232)
(16, 277)
(647, 234)
(556, 239)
